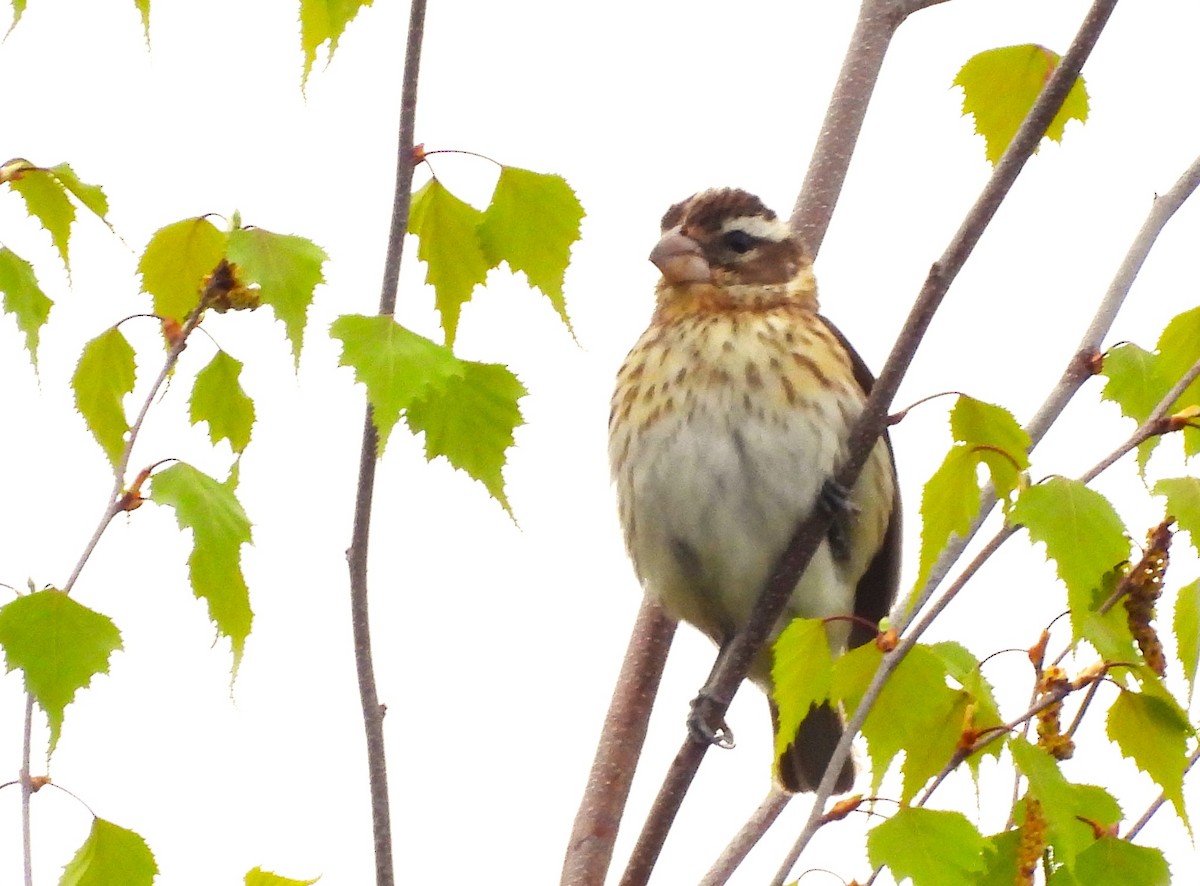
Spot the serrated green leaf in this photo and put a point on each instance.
(219, 529)
(448, 234)
(1186, 626)
(218, 399)
(46, 200)
(1082, 533)
(1135, 380)
(176, 261)
(143, 8)
(1000, 86)
(1000, 859)
(801, 671)
(949, 502)
(470, 419)
(397, 366)
(1152, 733)
(23, 298)
(932, 847)
(916, 713)
(324, 21)
(531, 223)
(1111, 861)
(977, 423)
(1063, 804)
(103, 377)
(964, 668)
(1183, 503)
(1108, 631)
(259, 877)
(59, 645)
(91, 196)
(18, 10)
(110, 855)
(286, 269)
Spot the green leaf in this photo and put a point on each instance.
(932, 847)
(397, 366)
(176, 261)
(801, 672)
(1114, 862)
(1152, 733)
(964, 668)
(448, 230)
(916, 713)
(470, 419)
(1063, 803)
(949, 503)
(23, 298)
(1000, 86)
(1082, 533)
(218, 399)
(324, 21)
(977, 423)
(104, 375)
(259, 877)
(1183, 503)
(92, 197)
(219, 529)
(143, 8)
(852, 673)
(47, 201)
(1187, 632)
(1000, 859)
(1178, 350)
(531, 223)
(110, 855)
(59, 645)
(18, 10)
(1136, 382)
(286, 269)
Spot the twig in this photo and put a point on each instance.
(871, 424)
(356, 555)
(594, 833)
(27, 791)
(747, 838)
(1157, 804)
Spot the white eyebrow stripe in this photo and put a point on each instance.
(758, 227)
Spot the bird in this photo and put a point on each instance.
(728, 420)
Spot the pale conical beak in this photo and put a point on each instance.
(680, 259)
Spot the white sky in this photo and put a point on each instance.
(496, 647)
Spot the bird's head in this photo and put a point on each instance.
(728, 239)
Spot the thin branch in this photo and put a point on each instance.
(1157, 804)
(27, 791)
(747, 838)
(868, 428)
(594, 833)
(356, 555)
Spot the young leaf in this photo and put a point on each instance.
(470, 420)
(801, 670)
(531, 223)
(91, 196)
(1111, 861)
(1000, 86)
(110, 854)
(1178, 351)
(219, 529)
(46, 200)
(932, 847)
(1183, 503)
(176, 261)
(448, 231)
(59, 645)
(218, 399)
(984, 424)
(23, 298)
(1136, 381)
(949, 502)
(1063, 803)
(259, 877)
(1000, 859)
(964, 668)
(1082, 533)
(397, 366)
(1152, 733)
(1187, 632)
(323, 21)
(104, 376)
(286, 269)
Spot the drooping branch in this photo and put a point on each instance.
(356, 555)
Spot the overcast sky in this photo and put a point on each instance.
(497, 646)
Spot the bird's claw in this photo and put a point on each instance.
(835, 499)
(706, 726)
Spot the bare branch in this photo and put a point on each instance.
(747, 838)
(356, 555)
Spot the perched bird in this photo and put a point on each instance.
(729, 419)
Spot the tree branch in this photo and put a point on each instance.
(356, 555)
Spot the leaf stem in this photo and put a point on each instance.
(356, 555)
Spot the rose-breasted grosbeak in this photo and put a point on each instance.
(729, 418)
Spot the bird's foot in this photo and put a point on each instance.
(705, 725)
(834, 498)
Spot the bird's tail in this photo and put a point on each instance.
(803, 763)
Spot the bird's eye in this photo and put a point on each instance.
(739, 241)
